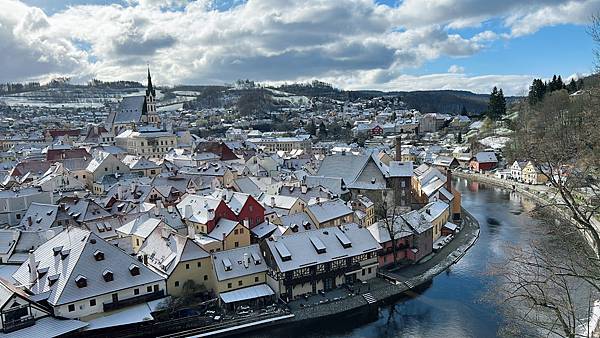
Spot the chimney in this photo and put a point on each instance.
(191, 232)
(228, 193)
(272, 201)
(449, 180)
(211, 214)
(318, 200)
(246, 260)
(223, 236)
(119, 192)
(145, 259)
(32, 267)
(29, 221)
(188, 211)
(399, 148)
(304, 188)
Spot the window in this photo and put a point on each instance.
(256, 279)
(18, 216)
(155, 287)
(199, 264)
(187, 266)
(240, 283)
(115, 297)
(105, 169)
(235, 232)
(369, 270)
(136, 291)
(71, 307)
(149, 289)
(205, 277)
(236, 244)
(241, 231)
(118, 168)
(92, 302)
(229, 285)
(176, 283)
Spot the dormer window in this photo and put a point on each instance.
(56, 250)
(107, 275)
(81, 281)
(99, 255)
(65, 253)
(134, 270)
(42, 271)
(52, 279)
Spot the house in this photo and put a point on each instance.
(203, 212)
(142, 166)
(139, 229)
(102, 164)
(413, 237)
(282, 205)
(78, 274)
(8, 243)
(59, 179)
(230, 233)
(445, 162)
(330, 213)
(532, 175)
(244, 206)
(40, 216)
(320, 260)
(178, 259)
(14, 203)
(516, 170)
(240, 277)
(364, 210)
(483, 161)
(438, 214)
(21, 316)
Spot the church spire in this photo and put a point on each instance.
(150, 90)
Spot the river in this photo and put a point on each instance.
(452, 305)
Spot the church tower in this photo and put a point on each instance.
(152, 115)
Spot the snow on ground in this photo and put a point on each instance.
(503, 131)
(495, 142)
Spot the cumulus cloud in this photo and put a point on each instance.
(456, 69)
(354, 43)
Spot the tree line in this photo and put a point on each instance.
(539, 88)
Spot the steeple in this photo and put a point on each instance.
(150, 90)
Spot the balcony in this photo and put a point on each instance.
(14, 325)
(134, 300)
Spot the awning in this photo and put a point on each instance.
(251, 292)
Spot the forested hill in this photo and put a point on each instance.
(441, 101)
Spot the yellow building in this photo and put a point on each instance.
(179, 259)
(231, 234)
(531, 175)
(438, 213)
(241, 269)
(147, 143)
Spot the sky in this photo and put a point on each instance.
(353, 44)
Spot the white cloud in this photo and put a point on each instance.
(456, 69)
(354, 43)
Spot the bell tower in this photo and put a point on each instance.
(153, 118)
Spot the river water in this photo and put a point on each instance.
(452, 305)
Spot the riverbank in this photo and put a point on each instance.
(540, 194)
(388, 285)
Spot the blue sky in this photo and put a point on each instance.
(354, 44)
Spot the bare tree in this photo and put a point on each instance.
(561, 136)
(548, 286)
(388, 219)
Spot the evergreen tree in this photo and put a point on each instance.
(459, 137)
(559, 83)
(393, 117)
(580, 84)
(463, 110)
(322, 130)
(537, 90)
(311, 128)
(572, 86)
(497, 104)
